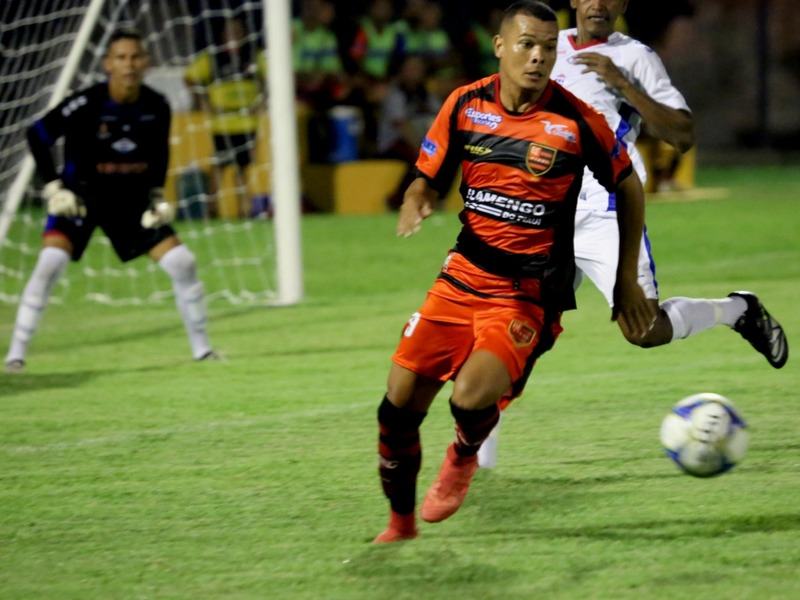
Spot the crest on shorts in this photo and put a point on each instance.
(540, 159)
(521, 333)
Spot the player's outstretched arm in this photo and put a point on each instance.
(631, 309)
(417, 206)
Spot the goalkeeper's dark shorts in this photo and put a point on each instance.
(124, 230)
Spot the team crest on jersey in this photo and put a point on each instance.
(521, 333)
(103, 132)
(540, 159)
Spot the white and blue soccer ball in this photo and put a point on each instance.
(704, 435)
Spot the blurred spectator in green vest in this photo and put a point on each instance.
(375, 51)
(227, 82)
(320, 79)
(319, 76)
(407, 113)
(424, 36)
(478, 48)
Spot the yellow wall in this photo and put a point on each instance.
(191, 144)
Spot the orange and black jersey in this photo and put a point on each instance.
(521, 174)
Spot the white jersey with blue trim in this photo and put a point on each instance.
(642, 67)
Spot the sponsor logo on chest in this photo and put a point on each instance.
(503, 208)
(124, 145)
(487, 119)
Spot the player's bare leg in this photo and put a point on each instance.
(478, 386)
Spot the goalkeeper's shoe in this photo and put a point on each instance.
(401, 527)
(211, 355)
(761, 329)
(448, 491)
(14, 366)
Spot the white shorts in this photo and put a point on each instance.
(597, 250)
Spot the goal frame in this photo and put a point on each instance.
(284, 163)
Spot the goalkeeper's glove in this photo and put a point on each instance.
(62, 202)
(160, 212)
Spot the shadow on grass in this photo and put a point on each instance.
(660, 529)
(31, 382)
(496, 503)
(389, 570)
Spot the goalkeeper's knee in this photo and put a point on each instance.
(180, 264)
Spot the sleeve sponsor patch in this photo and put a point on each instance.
(429, 147)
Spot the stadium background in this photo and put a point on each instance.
(737, 62)
(128, 472)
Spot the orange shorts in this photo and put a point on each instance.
(452, 323)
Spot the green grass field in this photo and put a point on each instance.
(129, 472)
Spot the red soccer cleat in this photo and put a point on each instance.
(401, 527)
(447, 493)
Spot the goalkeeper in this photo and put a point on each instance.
(115, 155)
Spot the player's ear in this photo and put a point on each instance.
(498, 46)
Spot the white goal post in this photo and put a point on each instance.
(50, 48)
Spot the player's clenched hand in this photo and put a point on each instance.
(417, 206)
(160, 212)
(603, 66)
(414, 210)
(62, 202)
(635, 314)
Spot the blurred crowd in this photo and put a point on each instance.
(370, 75)
(395, 61)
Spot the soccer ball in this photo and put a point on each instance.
(704, 435)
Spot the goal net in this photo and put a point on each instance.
(242, 223)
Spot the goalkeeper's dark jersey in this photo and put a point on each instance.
(111, 151)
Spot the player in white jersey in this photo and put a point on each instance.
(627, 82)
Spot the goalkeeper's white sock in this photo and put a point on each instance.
(35, 296)
(690, 316)
(180, 265)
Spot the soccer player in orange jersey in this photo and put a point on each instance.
(522, 142)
